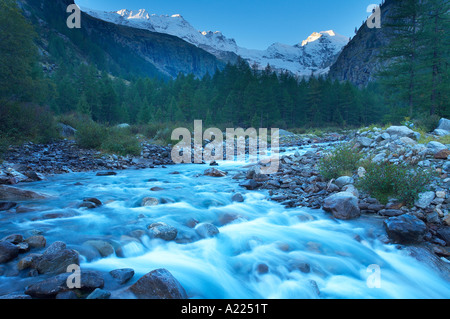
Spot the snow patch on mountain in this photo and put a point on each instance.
(312, 56)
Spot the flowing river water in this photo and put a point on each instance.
(266, 251)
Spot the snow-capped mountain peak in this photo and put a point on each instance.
(314, 55)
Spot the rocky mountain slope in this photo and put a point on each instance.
(114, 48)
(358, 62)
(313, 55)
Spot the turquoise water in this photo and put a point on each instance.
(267, 251)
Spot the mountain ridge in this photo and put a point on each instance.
(312, 56)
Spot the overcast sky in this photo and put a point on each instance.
(254, 24)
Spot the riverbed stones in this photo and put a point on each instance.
(237, 198)
(4, 206)
(206, 230)
(163, 231)
(104, 248)
(55, 259)
(343, 180)
(343, 205)
(14, 193)
(8, 251)
(49, 288)
(122, 276)
(158, 284)
(149, 201)
(214, 172)
(405, 229)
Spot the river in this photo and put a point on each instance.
(266, 251)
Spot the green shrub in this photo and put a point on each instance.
(342, 160)
(384, 181)
(20, 122)
(90, 135)
(121, 141)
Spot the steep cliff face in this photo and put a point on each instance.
(358, 62)
(114, 48)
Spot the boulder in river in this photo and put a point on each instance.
(162, 231)
(8, 251)
(343, 205)
(55, 259)
(122, 276)
(214, 172)
(405, 229)
(158, 284)
(49, 288)
(206, 230)
(14, 193)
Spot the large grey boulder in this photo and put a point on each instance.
(435, 147)
(343, 205)
(49, 288)
(401, 131)
(163, 231)
(14, 193)
(56, 259)
(158, 284)
(405, 229)
(344, 180)
(444, 124)
(364, 141)
(8, 251)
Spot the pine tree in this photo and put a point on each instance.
(400, 78)
(434, 56)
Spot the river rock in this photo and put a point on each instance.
(344, 180)
(55, 259)
(14, 193)
(425, 199)
(106, 173)
(342, 205)
(13, 239)
(250, 184)
(4, 206)
(401, 131)
(444, 124)
(8, 251)
(405, 229)
(162, 231)
(122, 276)
(49, 288)
(364, 141)
(435, 147)
(149, 201)
(442, 154)
(99, 294)
(214, 172)
(158, 284)
(206, 230)
(104, 248)
(237, 198)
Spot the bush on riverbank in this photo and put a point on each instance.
(384, 181)
(341, 161)
(121, 141)
(20, 122)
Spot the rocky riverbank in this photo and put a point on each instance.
(299, 183)
(32, 162)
